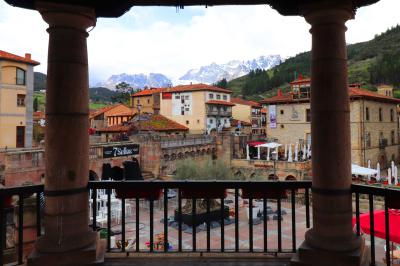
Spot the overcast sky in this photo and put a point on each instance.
(164, 40)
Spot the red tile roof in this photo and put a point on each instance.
(101, 110)
(17, 58)
(155, 122)
(245, 102)
(300, 80)
(220, 103)
(148, 92)
(197, 87)
(354, 93)
(161, 123)
(234, 123)
(129, 113)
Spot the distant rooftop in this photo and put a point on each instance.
(16, 58)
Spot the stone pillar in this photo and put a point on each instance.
(68, 238)
(331, 239)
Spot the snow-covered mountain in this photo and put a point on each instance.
(233, 69)
(138, 80)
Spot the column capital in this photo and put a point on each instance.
(322, 13)
(61, 15)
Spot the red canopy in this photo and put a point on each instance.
(255, 143)
(379, 224)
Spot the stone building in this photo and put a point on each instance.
(16, 100)
(200, 107)
(373, 121)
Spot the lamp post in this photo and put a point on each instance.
(139, 107)
(274, 160)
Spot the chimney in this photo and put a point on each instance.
(28, 56)
(279, 92)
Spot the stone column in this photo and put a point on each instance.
(331, 239)
(68, 238)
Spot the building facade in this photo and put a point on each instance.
(249, 111)
(147, 101)
(202, 108)
(373, 122)
(110, 115)
(16, 100)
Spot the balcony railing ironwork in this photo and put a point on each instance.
(219, 113)
(186, 142)
(390, 197)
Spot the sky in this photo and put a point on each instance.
(170, 41)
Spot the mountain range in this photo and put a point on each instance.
(137, 81)
(214, 72)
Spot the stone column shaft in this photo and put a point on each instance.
(67, 140)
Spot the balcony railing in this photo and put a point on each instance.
(141, 224)
(219, 113)
(186, 142)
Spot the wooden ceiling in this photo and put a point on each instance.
(116, 8)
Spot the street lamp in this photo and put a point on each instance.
(274, 160)
(139, 107)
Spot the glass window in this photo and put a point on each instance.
(211, 96)
(391, 115)
(21, 100)
(392, 138)
(225, 97)
(367, 113)
(177, 97)
(218, 97)
(368, 140)
(380, 114)
(187, 97)
(20, 77)
(308, 115)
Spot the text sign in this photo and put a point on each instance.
(120, 150)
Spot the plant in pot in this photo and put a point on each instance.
(208, 170)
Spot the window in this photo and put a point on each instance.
(177, 97)
(187, 122)
(368, 140)
(392, 138)
(138, 101)
(218, 97)
(198, 121)
(282, 112)
(211, 96)
(187, 97)
(20, 77)
(225, 108)
(308, 115)
(282, 126)
(21, 100)
(380, 114)
(391, 115)
(148, 101)
(366, 113)
(225, 97)
(211, 121)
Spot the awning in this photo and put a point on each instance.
(271, 145)
(255, 143)
(379, 224)
(358, 170)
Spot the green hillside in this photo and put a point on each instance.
(370, 63)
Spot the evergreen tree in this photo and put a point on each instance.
(35, 105)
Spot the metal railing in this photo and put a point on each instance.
(22, 193)
(186, 142)
(391, 200)
(275, 191)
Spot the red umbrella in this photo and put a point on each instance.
(379, 224)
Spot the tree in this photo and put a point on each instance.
(223, 83)
(124, 91)
(35, 105)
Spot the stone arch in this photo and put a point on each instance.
(166, 157)
(290, 178)
(238, 173)
(173, 157)
(180, 155)
(208, 151)
(213, 132)
(203, 151)
(193, 153)
(187, 154)
(273, 177)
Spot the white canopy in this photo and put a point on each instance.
(271, 145)
(358, 170)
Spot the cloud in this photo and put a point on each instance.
(155, 39)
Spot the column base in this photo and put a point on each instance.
(308, 256)
(90, 255)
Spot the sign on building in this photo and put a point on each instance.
(272, 116)
(120, 150)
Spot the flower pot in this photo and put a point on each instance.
(151, 193)
(198, 194)
(262, 193)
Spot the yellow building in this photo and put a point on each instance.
(373, 122)
(110, 115)
(147, 101)
(200, 107)
(249, 111)
(16, 100)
